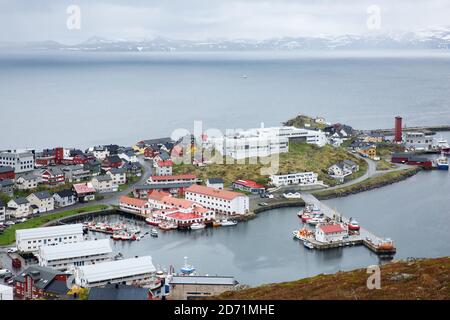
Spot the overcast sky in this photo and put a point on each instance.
(35, 20)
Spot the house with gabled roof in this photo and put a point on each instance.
(27, 182)
(65, 198)
(43, 200)
(18, 208)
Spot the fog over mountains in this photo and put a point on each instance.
(430, 38)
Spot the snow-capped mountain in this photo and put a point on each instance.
(430, 38)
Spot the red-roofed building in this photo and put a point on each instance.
(164, 168)
(221, 201)
(7, 172)
(157, 195)
(134, 205)
(85, 192)
(330, 232)
(248, 186)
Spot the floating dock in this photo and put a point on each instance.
(365, 237)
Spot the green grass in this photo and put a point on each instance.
(300, 158)
(385, 165)
(9, 235)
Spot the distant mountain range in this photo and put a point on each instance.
(431, 38)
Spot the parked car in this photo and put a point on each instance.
(3, 272)
(263, 204)
(10, 223)
(12, 250)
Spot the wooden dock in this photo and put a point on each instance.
(365, 237)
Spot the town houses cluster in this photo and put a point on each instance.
(40, 182)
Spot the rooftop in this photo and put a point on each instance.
(331, 228)
(184, 216)
(6, 169)
(73, 250)
(204, 280)
(223, 194)
(249, 184)
(176, 177)
(41, 195)
(42, 276)
(118, 292)
(65, 193)
(117, 269)
(132, 201)
(215, 180)
(82, 188)
(49, 231)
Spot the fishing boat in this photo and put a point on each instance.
(308, 245)
(187, 268)
(165, 226)
(197, 226)
(154, 233)
(353, 225)
(314, 221)
(302, 234)
(228, 223)
(443, 146)
(153, 221)
(442, 162)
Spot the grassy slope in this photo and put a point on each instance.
(301, 157)
(9, 236)
(419, 279)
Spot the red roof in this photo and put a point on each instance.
(167, 163)
(206, 191)
(176, 202)
(249, 183)
(132, 201)
(178, 177)
(184, 216)
(157, 195)
(83, 188)
(331, 228)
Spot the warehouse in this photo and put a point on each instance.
(135, 271)
(29, 240)
(64, 256)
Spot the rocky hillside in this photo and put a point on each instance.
(402, 280)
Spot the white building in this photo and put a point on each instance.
(131, 271)
(64, 256)
(263, 142)
(164, 168)
(43, 200)
(20, 161)
(299, 178)
(29, 240)
(134, 205)
(221, 201)
(104, 184)
(19, 208)
(27, 182)
(99, 152)
(118, 176)
(330, 233)
(6, 293)
(2, 211)
(215, 183)
(418, 141)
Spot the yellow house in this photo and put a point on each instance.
(139, 148)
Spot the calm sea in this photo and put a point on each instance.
(81, 99)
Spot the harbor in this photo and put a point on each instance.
(381, 246)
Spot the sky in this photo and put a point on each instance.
(27, 20)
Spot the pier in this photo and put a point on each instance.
(365, 237)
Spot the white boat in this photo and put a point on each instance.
(292, 195)
(154, 233)
(197, 226)
(134, 230)
(314, 221)
(228, 223)
(308, 245)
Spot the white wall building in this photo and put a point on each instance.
(418, 141)
(83, 253)
(43, 200)
(2, 211)
(20, 161)
(221, 201)
(299, 178)
(27, 182)
(104, 184)
(131, 271)
(118, 176)
(6, 293)
(330, 233)
(30, 240)
(19, 208)
(263, 142)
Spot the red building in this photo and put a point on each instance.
(150, 153)
(38, 282)
(53, 176)
(7, 172)
(112, 162)
(398, 129)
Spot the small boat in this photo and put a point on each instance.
(134, 230)
(308, 245)
(153, 221)
(165, 226)
(443, 146)
(216, 224)
(228, 223)
(187, 268)
(154, 233)
(197, 226)
(302, 234)
(442, 162)
(353, 225)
